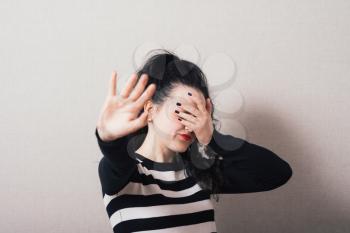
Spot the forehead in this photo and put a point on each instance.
(179, 93)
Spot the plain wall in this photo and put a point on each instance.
(290, 94)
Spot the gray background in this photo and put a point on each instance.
(291, 72)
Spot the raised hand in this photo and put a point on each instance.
(119, 113)
(197, 117)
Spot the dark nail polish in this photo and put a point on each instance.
(178, 104)
(176, 111)
(189, 93)
(179, 119)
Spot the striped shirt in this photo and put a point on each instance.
(159, 197)
(142, 195)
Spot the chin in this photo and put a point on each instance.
(179, 147)
(182, 148)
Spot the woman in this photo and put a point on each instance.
(163, 158)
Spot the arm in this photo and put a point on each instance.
(116, 166)
(248, 167)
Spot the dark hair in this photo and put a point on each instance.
(166, 70)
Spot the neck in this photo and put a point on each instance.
(153, 149)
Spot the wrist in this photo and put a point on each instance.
(103, 135)
(207, 142)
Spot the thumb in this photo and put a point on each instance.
(141, 121)
(209, 105)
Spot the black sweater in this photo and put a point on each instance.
(143, 195)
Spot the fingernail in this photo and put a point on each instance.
(178, 104)
(189, 93)
(179, 119)
(176, 111)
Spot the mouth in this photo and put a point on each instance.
(185, 137)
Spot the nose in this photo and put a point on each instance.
(188, 130)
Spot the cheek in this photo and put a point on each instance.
(169, 123)
(167, 120)
(173, 126)
(172, 117)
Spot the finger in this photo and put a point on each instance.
(209, 105)
(199, 101)
(146, 95)
(141, 121)
(140, 86)
(129, 86)
(112, 89)
(186, 123)
(190, 108)
(187, 117)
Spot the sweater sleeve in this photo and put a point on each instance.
(247, 167)
(116, 166)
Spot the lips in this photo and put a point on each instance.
(186, 136)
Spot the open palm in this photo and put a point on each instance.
(119, 115)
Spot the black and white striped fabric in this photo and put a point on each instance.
(160, 198)
(142, 195)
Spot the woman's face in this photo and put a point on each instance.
(166, 126)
